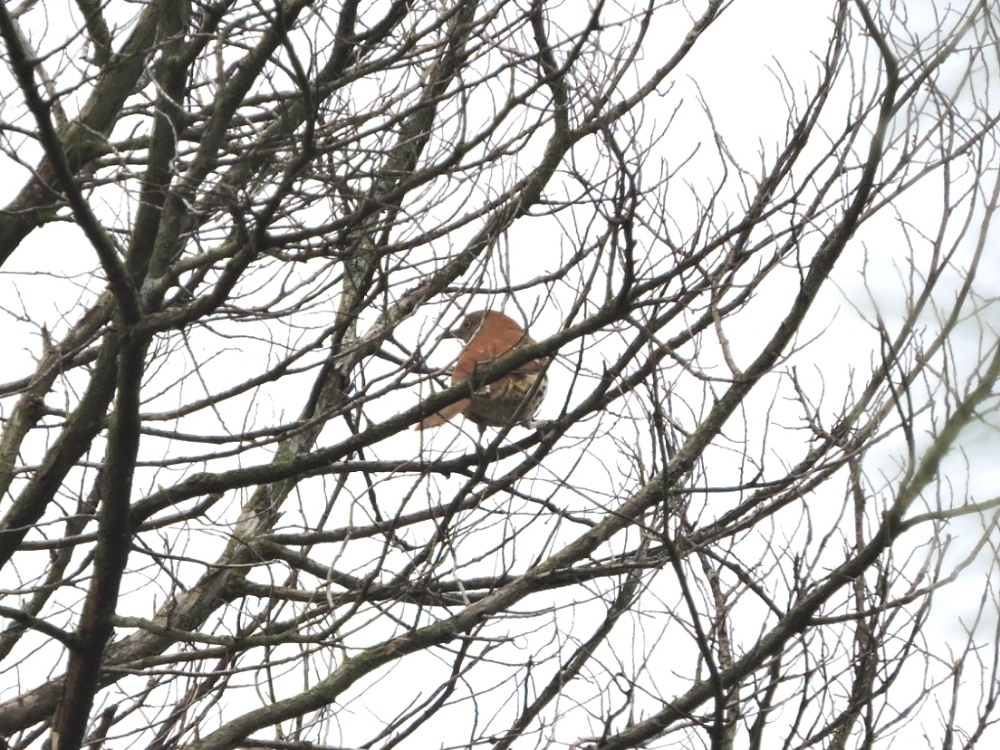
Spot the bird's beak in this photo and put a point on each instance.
(450, 334)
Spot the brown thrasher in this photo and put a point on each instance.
(488, 335)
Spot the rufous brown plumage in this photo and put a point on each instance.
(514, 397)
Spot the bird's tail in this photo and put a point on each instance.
(438, 419)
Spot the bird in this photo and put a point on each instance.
(512, 398)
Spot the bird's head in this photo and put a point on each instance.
(474, 322)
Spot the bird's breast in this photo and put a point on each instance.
(512, 398)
